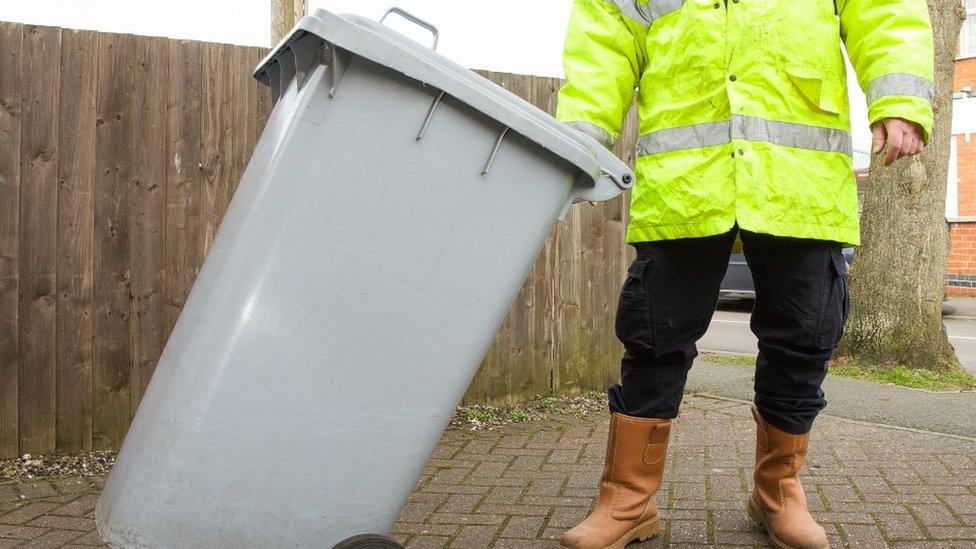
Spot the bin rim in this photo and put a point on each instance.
(366, 38)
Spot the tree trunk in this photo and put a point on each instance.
(898, 278)
(284, 15)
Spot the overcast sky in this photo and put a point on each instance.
(520, 36)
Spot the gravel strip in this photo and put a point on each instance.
(477, 417)
(57, 464)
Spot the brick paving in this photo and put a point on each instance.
(521, 485)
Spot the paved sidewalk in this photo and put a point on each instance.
(858, 399)
(521, 485)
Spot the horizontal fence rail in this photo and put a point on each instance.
(119, 155)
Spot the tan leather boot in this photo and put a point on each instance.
(625, 510)
(777, 503)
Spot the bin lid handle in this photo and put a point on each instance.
(416, 20)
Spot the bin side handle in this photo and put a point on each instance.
(416, 20)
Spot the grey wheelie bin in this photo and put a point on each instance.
(390, 212)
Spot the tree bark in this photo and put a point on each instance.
(897, 281)
(284, 15)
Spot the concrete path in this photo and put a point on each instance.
(960, 307)
(949, 413)
(522, 485)
(729, 330)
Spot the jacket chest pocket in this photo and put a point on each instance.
(825, 93)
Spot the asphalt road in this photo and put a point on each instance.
(729, 331)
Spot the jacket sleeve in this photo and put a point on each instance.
(603, 58)
(890, 44)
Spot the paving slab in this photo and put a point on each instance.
(869, 485)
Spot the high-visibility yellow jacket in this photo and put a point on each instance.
(743, 105)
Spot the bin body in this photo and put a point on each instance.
(353, 287)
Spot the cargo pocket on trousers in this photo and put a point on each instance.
(635, 320)
(836, 306)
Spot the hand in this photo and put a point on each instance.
(902, 138)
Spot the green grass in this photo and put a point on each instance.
(950, 378)
(947, 378)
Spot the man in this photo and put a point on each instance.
(744, 133)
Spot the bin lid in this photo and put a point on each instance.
(380, 44)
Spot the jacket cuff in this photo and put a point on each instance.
(901, 95)
(911, 108)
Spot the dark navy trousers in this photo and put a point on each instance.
(666, 305)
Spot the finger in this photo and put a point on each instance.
(878, 137)
(895, 139)
(909, 144)
(919, 146)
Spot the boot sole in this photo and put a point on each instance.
(641, 532)
(757, 516)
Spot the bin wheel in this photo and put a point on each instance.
(368, 541)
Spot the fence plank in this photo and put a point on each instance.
(147, 203)
(38, 238)
(520, 365)
(236, 122)
(249, 106)
(11, 93)
(259, 100)
(184, 239)
(212, 137)
(528, 369)
(544, 97)
(263, 99)
(76, 166)
(110, 407)
(571, 355)
(571, 340)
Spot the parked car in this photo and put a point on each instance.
(738, 278)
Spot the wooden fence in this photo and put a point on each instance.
(118, 157)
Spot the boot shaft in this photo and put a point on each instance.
(625, 509)
(636, 451)
(778, 502)
(779, 458)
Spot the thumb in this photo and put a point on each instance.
(879, 136)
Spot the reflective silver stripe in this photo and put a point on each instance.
(629, 8)
(899, 83)
(695, 136)
(646, 12)
(657, 9)
(594, 131)
(750, 128)
(789, 134)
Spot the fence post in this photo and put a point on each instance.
(284, 15)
